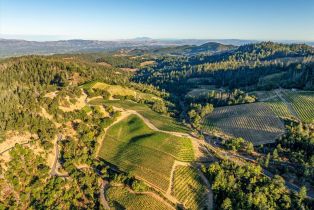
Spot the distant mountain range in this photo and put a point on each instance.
(15, 47)
(206, 48)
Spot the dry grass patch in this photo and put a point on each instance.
(146, 63)
(80, 103)
(51, 95)
(129, 69)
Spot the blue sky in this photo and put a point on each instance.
(122, 19)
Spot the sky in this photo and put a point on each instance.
(159, 19)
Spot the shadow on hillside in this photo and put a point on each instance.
(135, 139)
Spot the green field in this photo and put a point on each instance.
(162, 122)
(254, 122)
(188, 187)
(134, 147)
(122, 198)
(302, 103)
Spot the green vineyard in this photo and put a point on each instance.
(279, 108)
(188, 188)
(302, 103)
(122, 198)
(139, 161)
(135, 148)
(253, 122)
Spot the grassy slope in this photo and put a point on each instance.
(148, 154)
(162, 122)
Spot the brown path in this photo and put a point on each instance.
(209, 192)
(102, 198)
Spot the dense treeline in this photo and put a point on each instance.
(197, 112)
(245, 187)
(28, 185)
(222, 98)
(293, 152)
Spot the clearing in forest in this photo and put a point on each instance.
(79, 103)
(135, 148)
(118, 90)
(254, 122)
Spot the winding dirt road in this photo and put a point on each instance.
(102, 197)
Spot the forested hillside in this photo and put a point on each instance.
(188, 127)
(289, 66)
(44, 107)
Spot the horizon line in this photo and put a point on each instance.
(15, 37)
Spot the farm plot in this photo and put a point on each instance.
(162, 122)
(135, 148)
(253, 122)
(302, 102)
(121, 198)
(188, 188)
